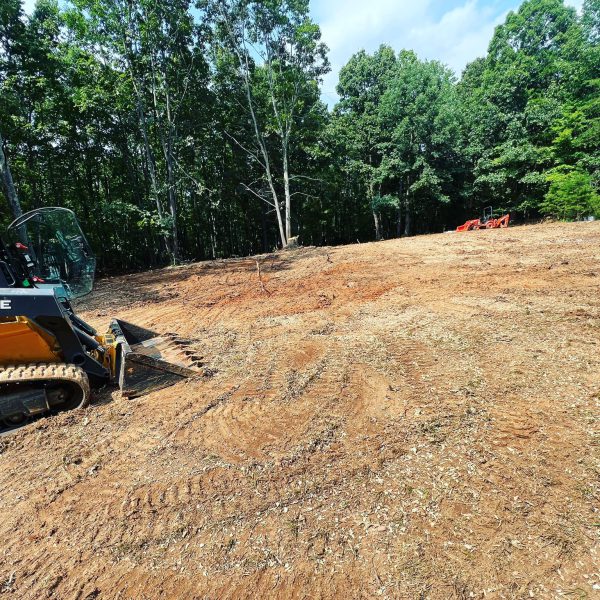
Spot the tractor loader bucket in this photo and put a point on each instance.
(148, 362)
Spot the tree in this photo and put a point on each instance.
(591, 21)
(400, 119)
(282, 88)
(11, 36)
(571, 195)
(357, 122)
(425, 152)
(8, 183)
(153, 43)
(514, 96)
(160, 124)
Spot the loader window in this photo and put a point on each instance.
(58, 247)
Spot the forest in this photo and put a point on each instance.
(183, 130)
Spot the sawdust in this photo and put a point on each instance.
(408, 419)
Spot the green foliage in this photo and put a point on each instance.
(399, 121)
(571, 195)
(382, 202)
(136, 115)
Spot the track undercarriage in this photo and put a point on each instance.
(27, 391)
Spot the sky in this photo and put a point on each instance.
(454, 32)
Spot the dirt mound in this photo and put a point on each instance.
(408, 419)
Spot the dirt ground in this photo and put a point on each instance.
(409, 419)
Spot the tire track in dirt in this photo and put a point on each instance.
(266, 412)
(407, 419)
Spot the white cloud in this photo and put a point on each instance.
(351, 25)
(458, 37)
(28, 6)
(455, 37)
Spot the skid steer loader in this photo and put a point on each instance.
(49, 357)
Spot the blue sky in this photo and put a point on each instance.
(452, 31)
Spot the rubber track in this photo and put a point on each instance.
(48, 372)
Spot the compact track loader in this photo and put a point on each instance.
(50, 359)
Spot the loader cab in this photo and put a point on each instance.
(53, 251)
(12, 273)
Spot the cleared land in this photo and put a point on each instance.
(409, 419)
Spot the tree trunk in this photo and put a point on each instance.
(170, 160)
(9, 186)
(399, 212)
(151, 168)
(407, 211)
(282, 235)
(377, 225)
(407, 219)
(261, 145)
(267, 165)
(172, 205)
(376, 216)
(288, 198)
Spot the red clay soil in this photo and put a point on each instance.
(409, 419)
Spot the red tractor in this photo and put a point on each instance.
(488, 222)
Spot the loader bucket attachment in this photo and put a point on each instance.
(148, 362)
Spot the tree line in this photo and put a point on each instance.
(181, 130)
